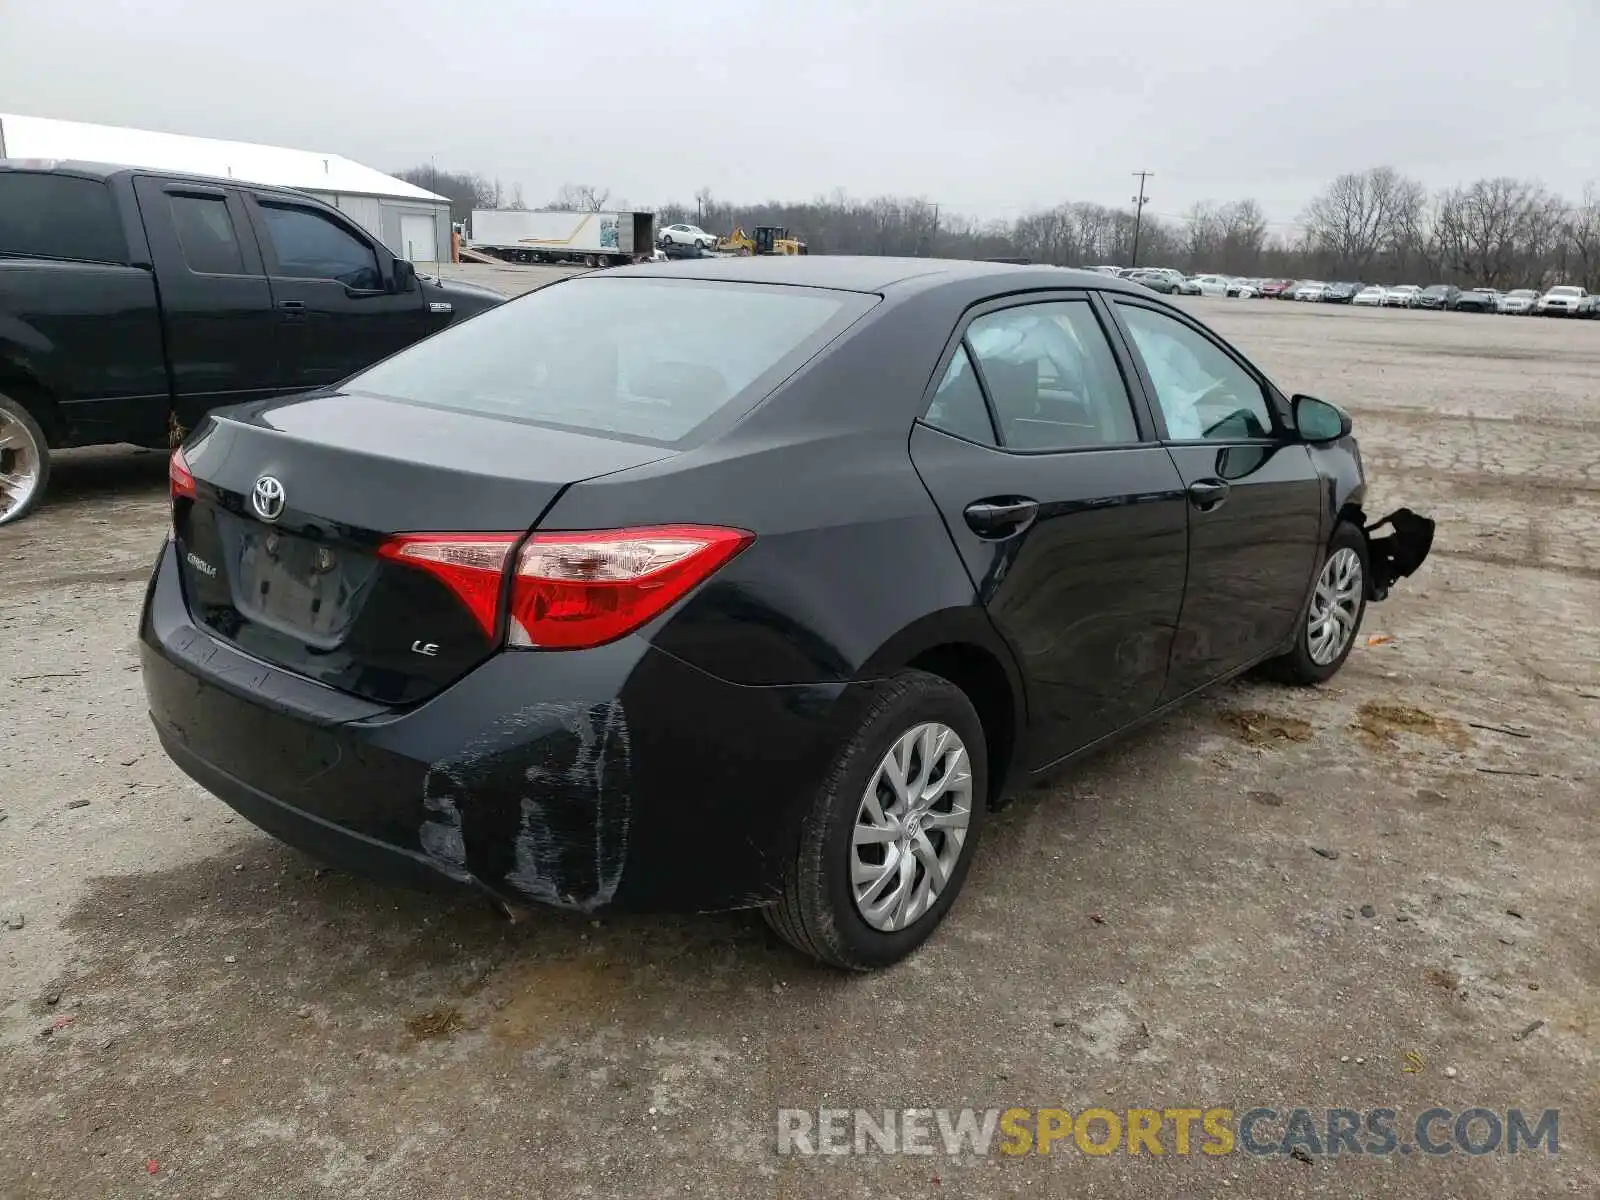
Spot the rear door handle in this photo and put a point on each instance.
(292, 305)
(1207, 494)
(1000, 518)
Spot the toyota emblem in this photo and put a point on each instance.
(267, 498)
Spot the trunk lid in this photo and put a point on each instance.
(280, 546)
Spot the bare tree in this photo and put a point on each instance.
(1497, 231)
(1583, 235)
(1202, 236)
(465, 190)
(1243, 229)
(1356, 217)
(579, 197)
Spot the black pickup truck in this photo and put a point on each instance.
(133, 302)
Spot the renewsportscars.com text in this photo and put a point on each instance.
(1214, 1131)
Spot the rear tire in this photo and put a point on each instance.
(24, 462)
(1339, 598)
(820, 913)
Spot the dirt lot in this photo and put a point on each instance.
(1157, 929)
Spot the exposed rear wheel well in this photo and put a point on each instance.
(977, 673)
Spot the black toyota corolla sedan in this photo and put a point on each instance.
(742, 583)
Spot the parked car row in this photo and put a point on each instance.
(1562, 300)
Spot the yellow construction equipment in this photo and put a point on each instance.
(768, 239)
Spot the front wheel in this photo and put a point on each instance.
(24, 462)
(1333, 617)
(887, 842)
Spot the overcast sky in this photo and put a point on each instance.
(989, 108)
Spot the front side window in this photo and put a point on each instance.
(652, 359)
(206, 234)
(1203, 393)
(1051, 377)
(59, 216)
(309, 245)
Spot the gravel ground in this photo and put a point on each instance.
(191, 1009)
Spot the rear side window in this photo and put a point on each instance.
(652, 359)
(1051, 377)
(206, 233)
(958, 406)
(59, 216)
(309, 245)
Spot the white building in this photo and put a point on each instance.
(414, 223)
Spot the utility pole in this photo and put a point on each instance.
(933, 237)
(1139, 202)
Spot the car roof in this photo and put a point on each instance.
(852, 273)
(107, 171)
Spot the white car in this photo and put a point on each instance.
(687, 235)
(1370, 296)
(1519, 303)
(1561, 301)
(1311, 290)
(1244, 289)
(1211, 285)
(1403, 296)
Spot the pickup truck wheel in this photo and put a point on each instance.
(1333, 617)
(24, 461)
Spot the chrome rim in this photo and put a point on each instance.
(1334, 607)
(911, 827)
(20, 460)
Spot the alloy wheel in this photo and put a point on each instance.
(21, 459)
(1335, 605)
(910, 827)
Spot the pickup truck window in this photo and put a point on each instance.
(59, 216)
(206, 233)
(309, 246)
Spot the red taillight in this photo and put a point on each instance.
(571, 590)
(180, 480)
(574, 590)
(472, 565)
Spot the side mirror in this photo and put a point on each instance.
(405, 276)
(1318, 421)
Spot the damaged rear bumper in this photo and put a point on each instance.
(1398, 553)
(615, 778)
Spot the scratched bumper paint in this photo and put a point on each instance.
(562, 771)
(620, 778)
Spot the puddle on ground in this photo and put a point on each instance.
(440, 1021)
(1379, 725)
(530, 1001)
(1260, 728)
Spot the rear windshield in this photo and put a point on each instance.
(651, 359)
(58, 216)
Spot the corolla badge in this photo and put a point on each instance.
(267, 498)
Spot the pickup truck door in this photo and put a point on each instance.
(216, 307)
(334, 290)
